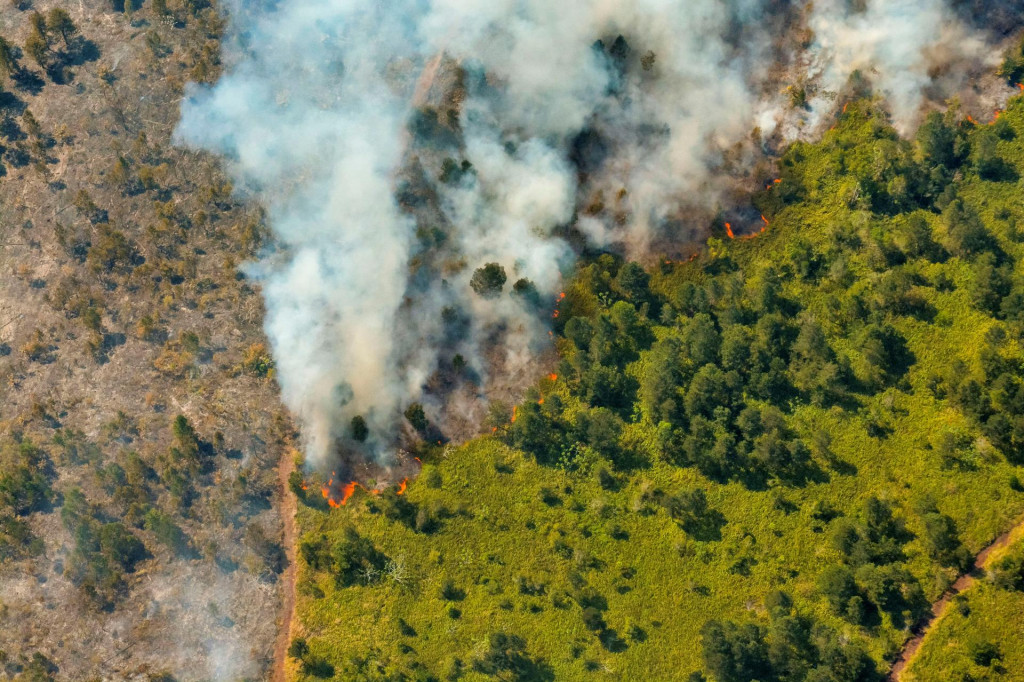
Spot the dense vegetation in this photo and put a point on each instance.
(762, 464)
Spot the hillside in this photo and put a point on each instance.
(760, 464)
(139, 429)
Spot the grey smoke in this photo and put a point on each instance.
(311, 117)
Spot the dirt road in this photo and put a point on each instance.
(940, 607)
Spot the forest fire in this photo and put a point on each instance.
(728, 231)
(349, 489)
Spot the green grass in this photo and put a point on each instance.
(662, 584)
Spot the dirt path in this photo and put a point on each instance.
(288, 508)
(939, 608)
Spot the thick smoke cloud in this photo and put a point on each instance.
(323, 114)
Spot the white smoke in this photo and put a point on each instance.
(901, 46)
(312, 114)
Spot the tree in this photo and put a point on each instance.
(121, 546)
(185, 436)
(711, 388)
(8, 62)
(488, 281)
(990, 283)
(939, 142)
(59, 21)
(298, 648)
(167, 531)
(417, 417)
(942, 541)
(358, 429)
(735, 653)
(837, 585)
(37, 48)
(968, 235)
(633, 283)
(659, 385)
(24, 478)
(506, 658)
(701, 340)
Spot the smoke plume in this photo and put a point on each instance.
(398, 146)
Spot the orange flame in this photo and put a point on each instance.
(402, 486)
(325, 492)
(561, 296)
(541, 401)
(728, 231)
(553, 377)
(765, 221)
(554, 314)
(332, 503)
(1021, 86)
(970, 119)
(347, 491)
(844, 107)
(514, 407)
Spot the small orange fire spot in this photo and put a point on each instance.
(402, 486)
(844, 107)
(347, 491)
(418, 460)
(728, 231)
(325, 492)
(561, 296)
(514, 407)
(331, 502)
(541, 401)
(777, 181)
(554, 314)
(494, 429)
(765, 220)
(1021, 86)
(553, 377)
(305, 486)
(996, 117)
(969, 118)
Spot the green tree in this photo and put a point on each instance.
(8, 62)
(735, 653)
(488, 281)
(358, 429)
(59, 21)
(416, 417)
(38, 49)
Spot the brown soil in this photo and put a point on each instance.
(940, 607)
(288, 509)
